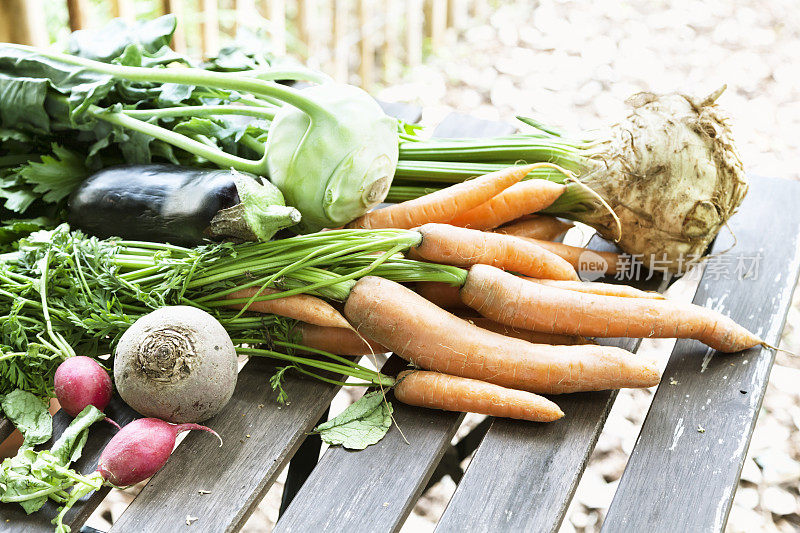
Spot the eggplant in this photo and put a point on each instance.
(178, 205)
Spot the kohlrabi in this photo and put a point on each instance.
(333, 162)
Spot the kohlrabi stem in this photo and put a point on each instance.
(447, 172)
(216, 156)
(202, 111)
(190, 76)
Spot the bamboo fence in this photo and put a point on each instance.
(357, 41)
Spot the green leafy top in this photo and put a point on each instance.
(363, 423)
(29, 415)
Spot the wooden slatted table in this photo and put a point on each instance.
(682, 473)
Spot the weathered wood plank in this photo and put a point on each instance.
(259, 436)
(697, 432)
(15, 519)
(532, 491)
(376, 488)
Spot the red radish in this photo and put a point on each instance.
(141, 449)
(80, 381)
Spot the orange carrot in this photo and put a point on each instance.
(442, 205)
(433, 339)
(520, 199)
(442, 294)
(535, 337)
(465, 247)
(602, 289)
(517, 302)
(582, 259)
(299, 306)
(542, 227)
(451, 393)
(341, 341)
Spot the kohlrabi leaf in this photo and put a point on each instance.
(29, 415)
(31, 80)
(360, 425)
(110, 41)
(22, 101)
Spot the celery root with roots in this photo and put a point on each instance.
(661, 182)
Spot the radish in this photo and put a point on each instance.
(80, 381)
(141, 449)
(138, 451)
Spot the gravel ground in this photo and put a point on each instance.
(573, 63)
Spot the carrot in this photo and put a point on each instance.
(542, 227)
(520, 199)
(582, 259)
(451, 393)
(340, 341)
(442, 205)
(602, 289)
(433, 339)
(466, 247)
(517, 302)
(299, 306)
(536, 337)
(442, 294)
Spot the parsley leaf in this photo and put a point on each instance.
(57, 175)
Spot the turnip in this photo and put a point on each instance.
(80, 381)
(176, 363)
(141, 449)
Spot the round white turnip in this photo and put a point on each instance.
(177, 364)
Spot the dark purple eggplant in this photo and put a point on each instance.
(179, 205)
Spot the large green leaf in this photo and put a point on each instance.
(110, 41)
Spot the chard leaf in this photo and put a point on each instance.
(363, 423)
(29, 415)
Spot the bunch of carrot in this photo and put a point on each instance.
(535, 314)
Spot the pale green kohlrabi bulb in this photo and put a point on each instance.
(336, 161)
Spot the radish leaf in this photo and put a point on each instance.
(29, 415)
(363, 423)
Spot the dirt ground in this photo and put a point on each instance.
(573, 63)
